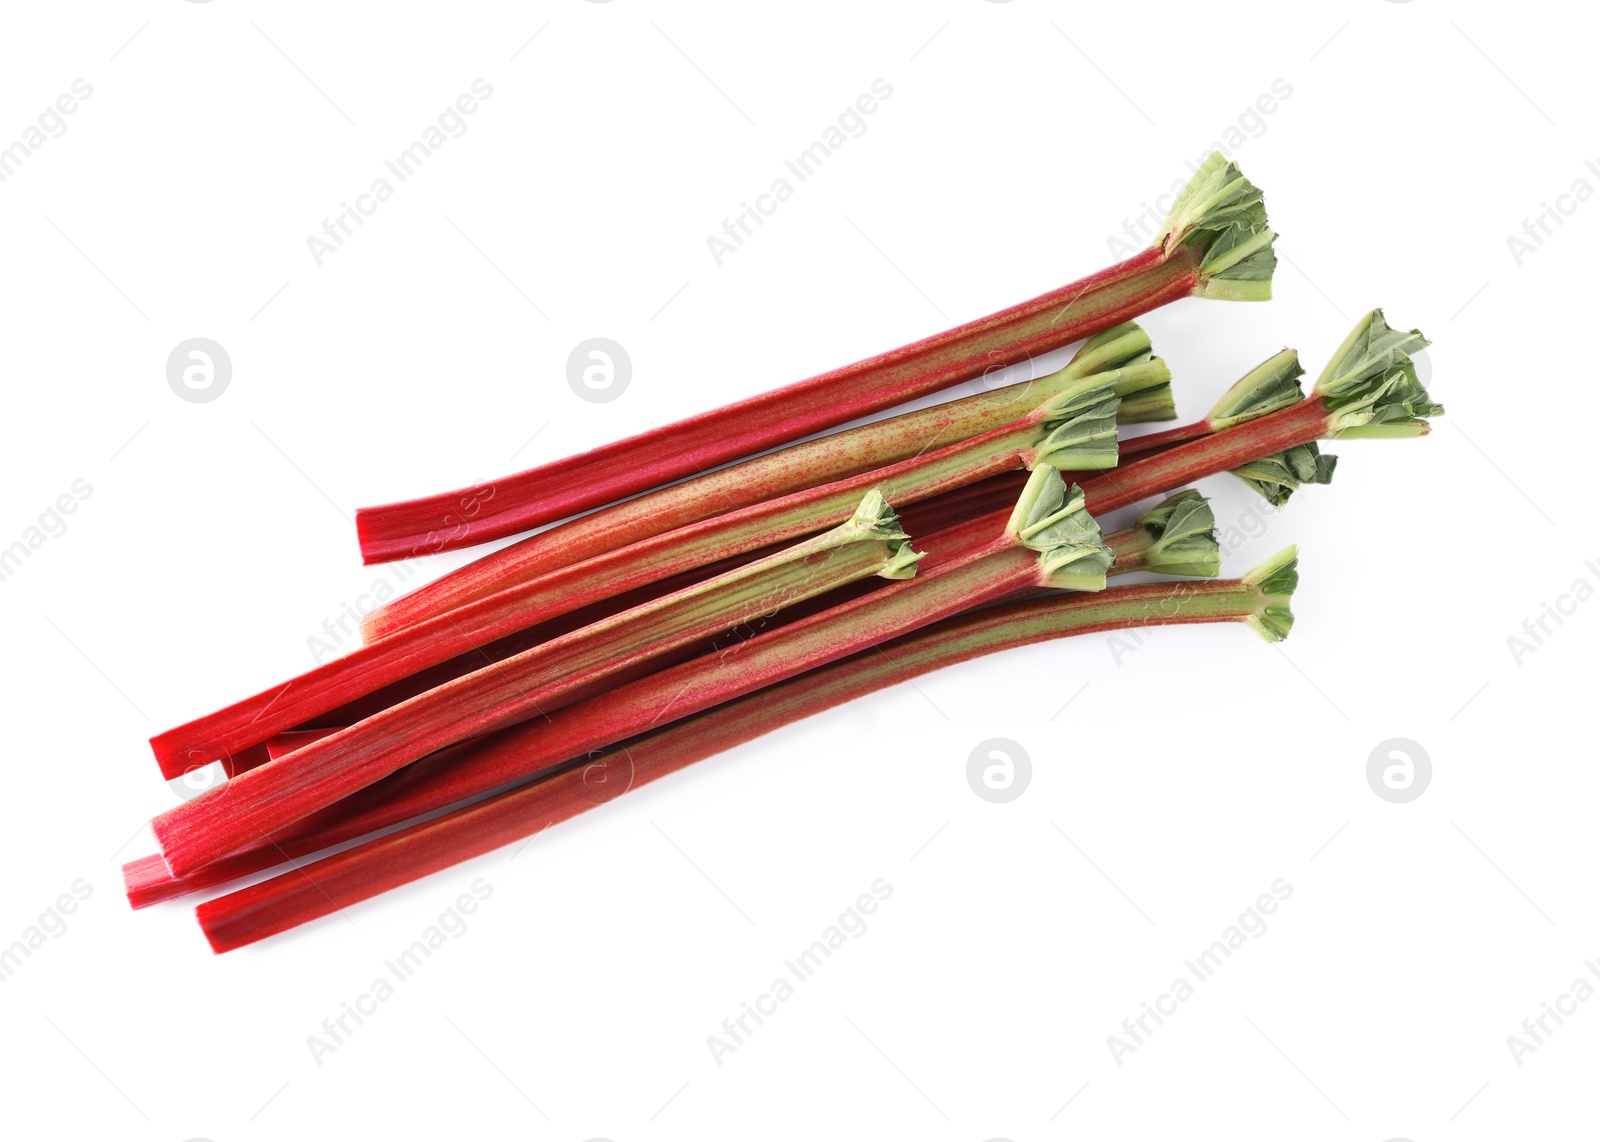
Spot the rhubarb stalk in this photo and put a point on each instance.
(1074, 429)
(544, 677)
(1261, 600)
(1175, 537)
(1143, 384)
(1369, 390)
(1215, 243)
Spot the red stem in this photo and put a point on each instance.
(1134, 447)
(230, 818)
(356, 874)
(614, 471)
(1217, 452)
(1152, 474)
(430, 785)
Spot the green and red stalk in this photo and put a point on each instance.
(544, 677)
(794, 469)
(373, 677)
(1175, 537)
(1075, 428)
(290, 899)
(1215, 243)
(1271, 385)
(1369, 390)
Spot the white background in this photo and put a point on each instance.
(1186, 778)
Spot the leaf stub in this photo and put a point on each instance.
(875, 521)
(1277, 476)
(1271, 385)
(1121, 345)
(1221, 213)
(1371, 382)
(1274, 582)
(1148, 407)
(1082, 429)
(1052, 520)
(1182, 536)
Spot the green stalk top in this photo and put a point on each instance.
(1271, 385)
(1082, 427)
(1277, 476)
(1371, 385)
(1124, 344)
(1053, 521)
(1221, 213)
(1275, 581)
(875, 521)
(1182, 537)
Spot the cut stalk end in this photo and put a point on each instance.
(1148, 407)
(1082, 424)
(875, 521)
(1277, 476)
(1178, 537)
(1052, 520)
(1274, 582)
(1271, 385)
(1121, 345)
(1221, 213)
(1371, 380)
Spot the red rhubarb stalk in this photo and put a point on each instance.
(288, 900)
(1215, 243)
(1075, 428)
(266, 798)
(806, 465)
(1271, 385)
(1048, 540)
(1369, 389)
(1174, 538)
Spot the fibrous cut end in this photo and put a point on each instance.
(1277, 476)
(874, 519)
(1182, 533)
(1370, 385)
(1118, 346)
(1275, 582)
(1052, 519)
(1271, 385)
(1082, 424)
(1221, 213)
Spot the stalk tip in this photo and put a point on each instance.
(1274, 582)
(1271, 385)
(1277, 476)
(1221, 213)
(874, 519)
(1124, 344)
(1052, 520)
(1370, 385)
(1182, 537)
(1082, 424)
